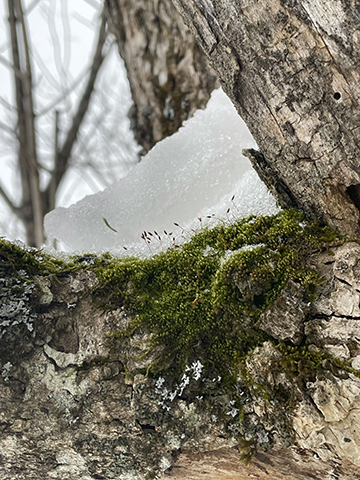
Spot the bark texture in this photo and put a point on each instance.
(169, 75)
(69, 411)
(292, 69)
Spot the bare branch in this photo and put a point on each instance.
(67, 36)
(8, 202)
(7, 129)
(92, 3)
(31, 6)
(55, 40)
(87, 23)
(31, 154)
(44, 70)
(6, 45)
(18, 93)
(12, 67)
(52, 191)
(65, 151)
(6, 104)
(61, 97)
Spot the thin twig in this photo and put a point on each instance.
(8, 202)
(65, 151)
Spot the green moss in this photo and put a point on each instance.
(31, 261)
(201, 301)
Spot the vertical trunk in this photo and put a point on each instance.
(169, 75)
(32, 214)
(292, 69)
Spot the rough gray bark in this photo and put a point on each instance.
(292, 70)
(69, 411)
(168, 73)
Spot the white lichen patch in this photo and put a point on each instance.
(70, 463)
(15, 305)
(132, 475)
(62, 359)
(66, 457)
(63, 386)
(44, 287)
(165, 463)
(6, 370)
(9, 446)
(191, 372)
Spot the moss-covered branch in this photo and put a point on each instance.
(225, 327)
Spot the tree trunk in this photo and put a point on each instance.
(169, 75)
(292, 70)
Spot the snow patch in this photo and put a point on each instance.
(194, 178)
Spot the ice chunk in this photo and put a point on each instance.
(192, 174)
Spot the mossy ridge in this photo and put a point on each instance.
(201, 301)
(32, 261)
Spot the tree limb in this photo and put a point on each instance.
(7, 129)
(12, 67)
(8, 202)
(64, 153)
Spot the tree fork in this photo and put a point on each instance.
(292, 70)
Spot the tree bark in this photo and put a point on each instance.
(292, 70)
(68, 410)
(168, 73)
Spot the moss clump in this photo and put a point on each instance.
(28, 262)
(302, 363)
(201, 301)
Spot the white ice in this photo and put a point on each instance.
(189, 176)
